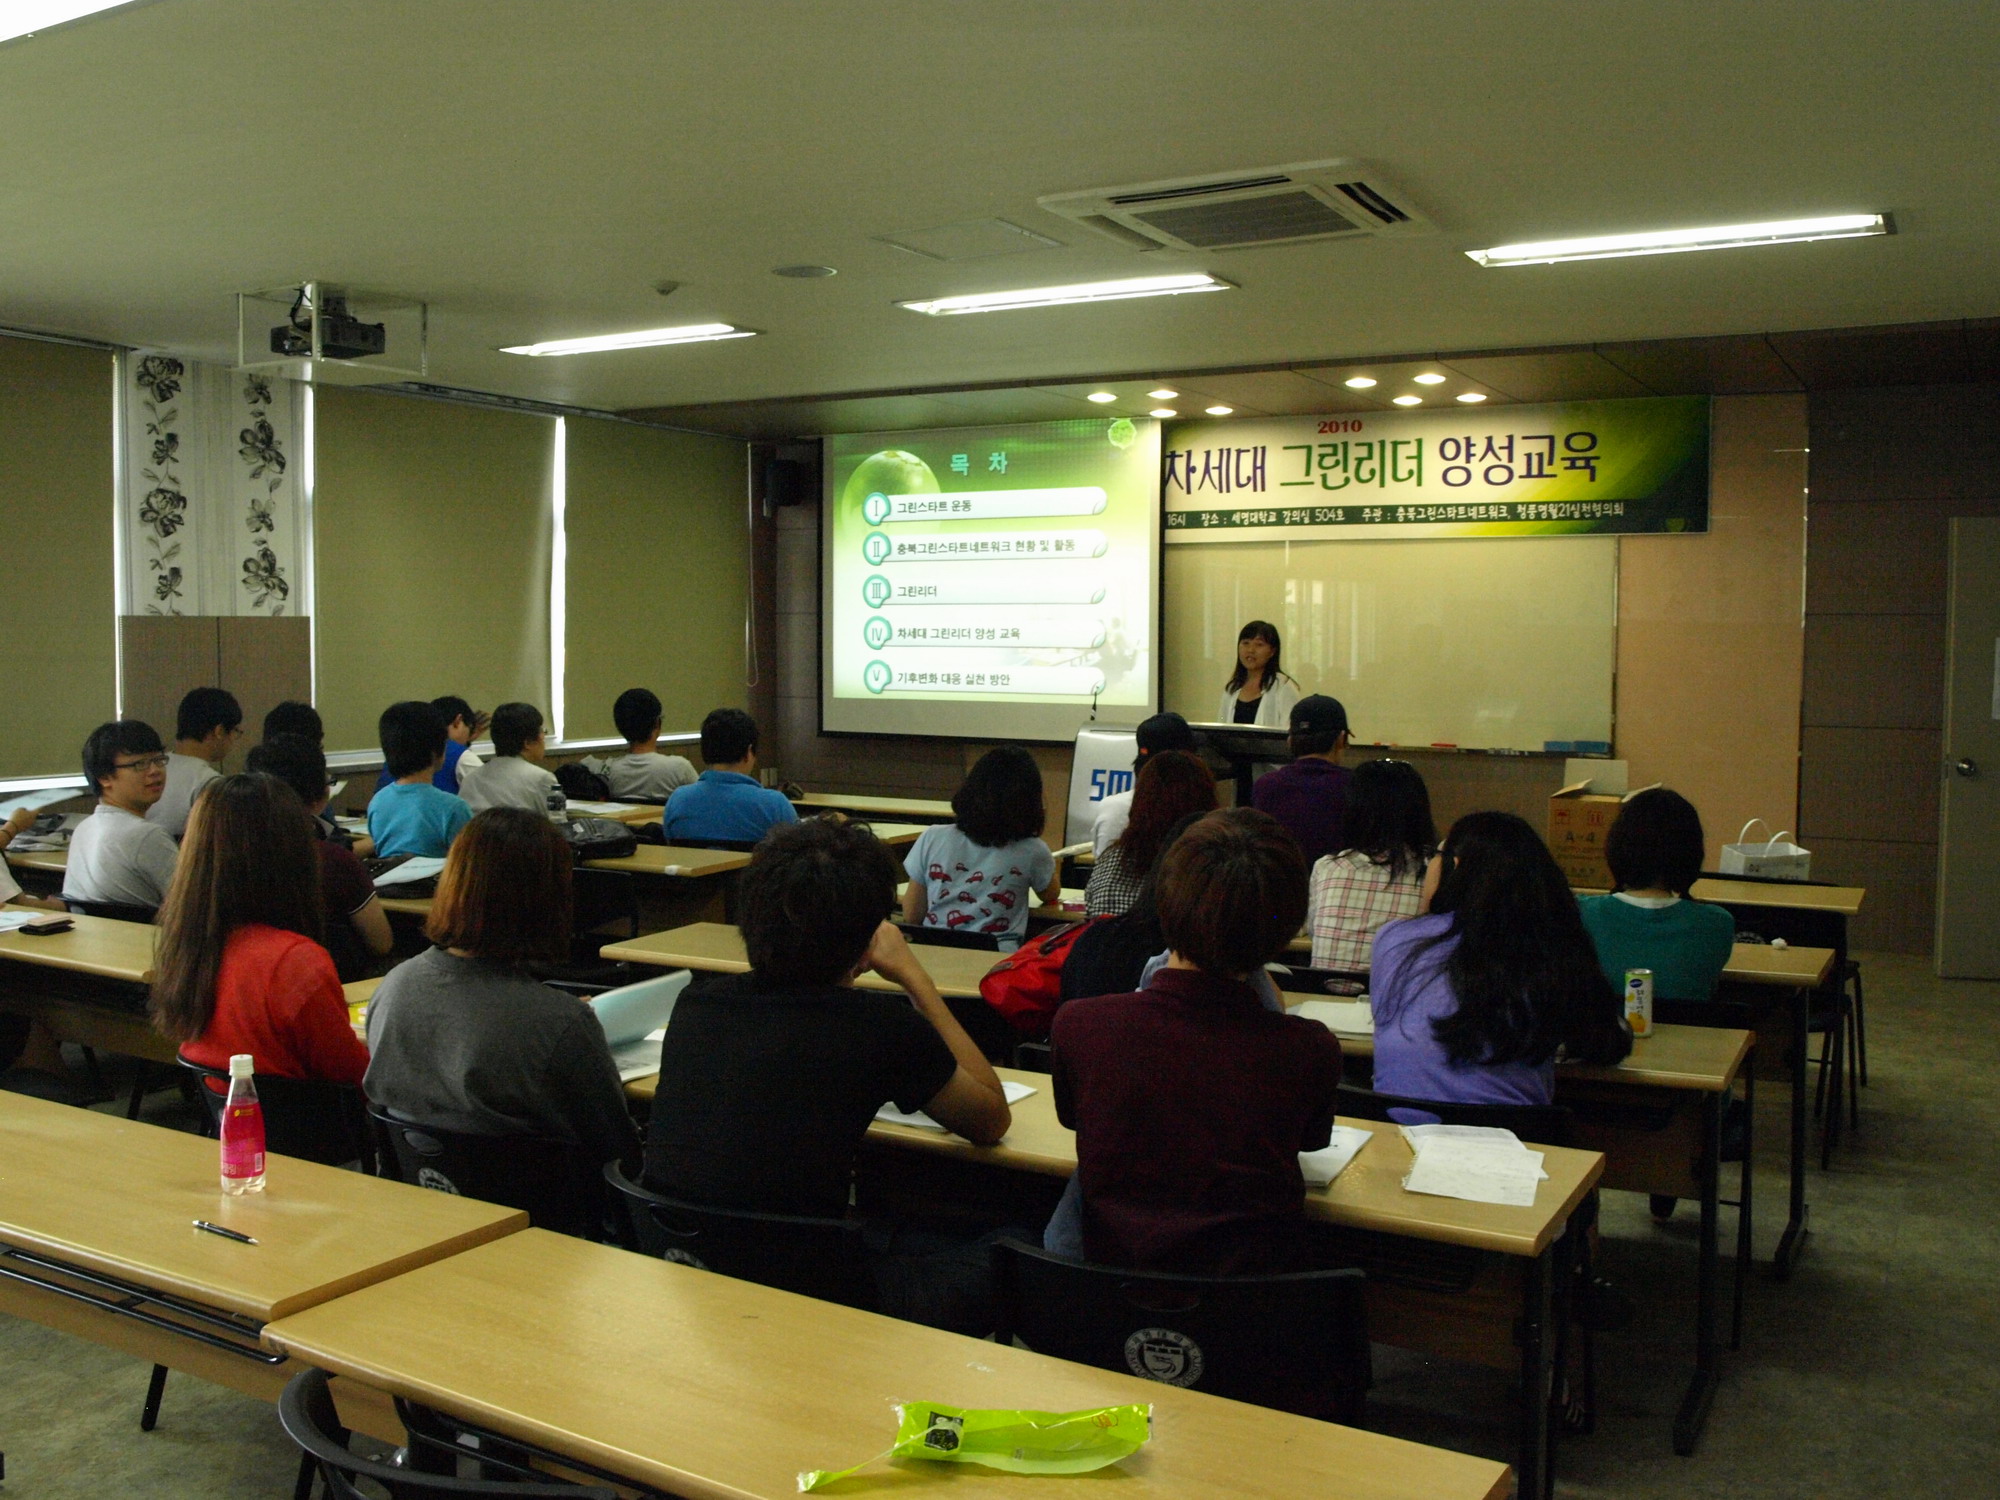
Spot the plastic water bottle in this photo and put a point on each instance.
(558, 804)
(242, 1131)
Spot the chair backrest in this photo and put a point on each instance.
(313, 1119)
(1302, 981)
(945, 937)
(1737, 1007)
(1297, 1341)
(117, 911)
(820, 1258)
(306, 1412)
(1537, 1124)
(554, 1181)
(739, 846)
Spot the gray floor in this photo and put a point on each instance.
(1871, 1373)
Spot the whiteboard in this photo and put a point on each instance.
(1502, 644)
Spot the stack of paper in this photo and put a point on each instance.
(600, 809)
(1322, 1166)
(1481, 1164)
(888, 1113)
(1341, 1017)
(639, 1059)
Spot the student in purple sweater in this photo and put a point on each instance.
(1473, 1002)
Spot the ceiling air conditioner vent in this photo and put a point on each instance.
(1321, 200)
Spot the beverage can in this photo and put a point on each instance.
(1639, 1001)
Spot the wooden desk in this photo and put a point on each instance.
(96, 1239)
(659, 861)
(1749, 963)
(717, 947)
(48, 861)
(1785, 895)
(98, 946)
(912, 809)
(710, 1387)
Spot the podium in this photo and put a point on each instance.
(1241, 748)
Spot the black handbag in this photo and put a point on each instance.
(599, 838)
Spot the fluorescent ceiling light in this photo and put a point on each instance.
(1058, 296)
(1430, 377)
(1409, 400)
(1670, 241)
(1100, 397)
(1359, 382)
(1220, 411)
(1472, 398)
(642, 338)
(1163, 412)
(1162, 394)
(26, 17)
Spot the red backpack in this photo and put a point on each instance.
(1026, 985)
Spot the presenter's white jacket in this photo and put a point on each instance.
(1274, 709)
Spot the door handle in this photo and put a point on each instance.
(1967, 768)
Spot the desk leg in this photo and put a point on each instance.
(1693, 1415)
(1536, 1465)
(1793, 1242)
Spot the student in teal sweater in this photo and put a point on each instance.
(1648, 921)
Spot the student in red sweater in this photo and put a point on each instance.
(239, 966)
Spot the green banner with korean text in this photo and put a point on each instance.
(1573, 468)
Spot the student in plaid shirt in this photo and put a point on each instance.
(1378, 876)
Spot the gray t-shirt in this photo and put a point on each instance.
(505, 781)
(186, 775)
(973, 888)
(479, 1047)
(652, 775)
(119, 857)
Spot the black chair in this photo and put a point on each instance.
(945, 937)
(117, 911)
(821, 1258)
(1295, 1341)
(554, 1181)
(306, 1412)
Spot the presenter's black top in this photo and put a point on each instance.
(766, 1091)
(1246, 709)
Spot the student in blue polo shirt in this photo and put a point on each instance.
(726, 803)
(410, 815)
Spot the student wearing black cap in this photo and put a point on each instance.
(1309, 796)
(1161, 732)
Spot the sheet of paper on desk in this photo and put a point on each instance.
(1341, 1017)
(639, 1059)
(599, 809)
(1322, 1166)
(410, 871)
(1476, 1171)
(891, 1115)
(9, 920)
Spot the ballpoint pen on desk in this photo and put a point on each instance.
(227, 1234)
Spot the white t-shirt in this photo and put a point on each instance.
(1113, 813)
(651, 775)
(505, 781)
(118, 857)
(186, 775)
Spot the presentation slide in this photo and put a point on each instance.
(990, 582)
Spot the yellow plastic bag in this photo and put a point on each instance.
(1023, 1442)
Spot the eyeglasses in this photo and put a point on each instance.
(143, 763)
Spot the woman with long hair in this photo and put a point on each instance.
(239, 966)
(976, 874)
(1170, 786)
(464, 1037)
(1473, 1001)
(1387, 840)
(1259, 691)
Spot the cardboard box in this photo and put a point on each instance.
(1581, 814)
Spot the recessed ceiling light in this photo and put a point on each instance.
(1671, 241)
(1060, 296)
(1409, 400)
(1162, 394)
(1163, 412)
(1219, 411)
(46, 15)
(1359, 382)
(643, 338)
(1429, 377)
(804, 273)
(1100, 397)
(1472, 398)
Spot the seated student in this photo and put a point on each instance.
(410, 815)
(642, 772)
(1190, 1099)
(515, 776)
(19, 822)
(1167, 731)
(1309, 796)
(239, 966)
(768, 1080)
(1473, 1000)
(461, 1037)
(726, 803)
(463, 724)
(1655, 850)
(356, 930)
(1387, 840)
(115, 855)
(294, 717)
(205, 731)
(976, 874)
(1111, 957)
(1171, 785)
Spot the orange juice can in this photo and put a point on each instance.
(1639, 1001)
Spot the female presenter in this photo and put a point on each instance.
(1258, 692)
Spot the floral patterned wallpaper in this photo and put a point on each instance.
(212, 509)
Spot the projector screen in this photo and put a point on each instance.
(990, 582)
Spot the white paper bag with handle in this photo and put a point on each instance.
(1777, 858)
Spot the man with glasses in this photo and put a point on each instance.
(116, 857)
